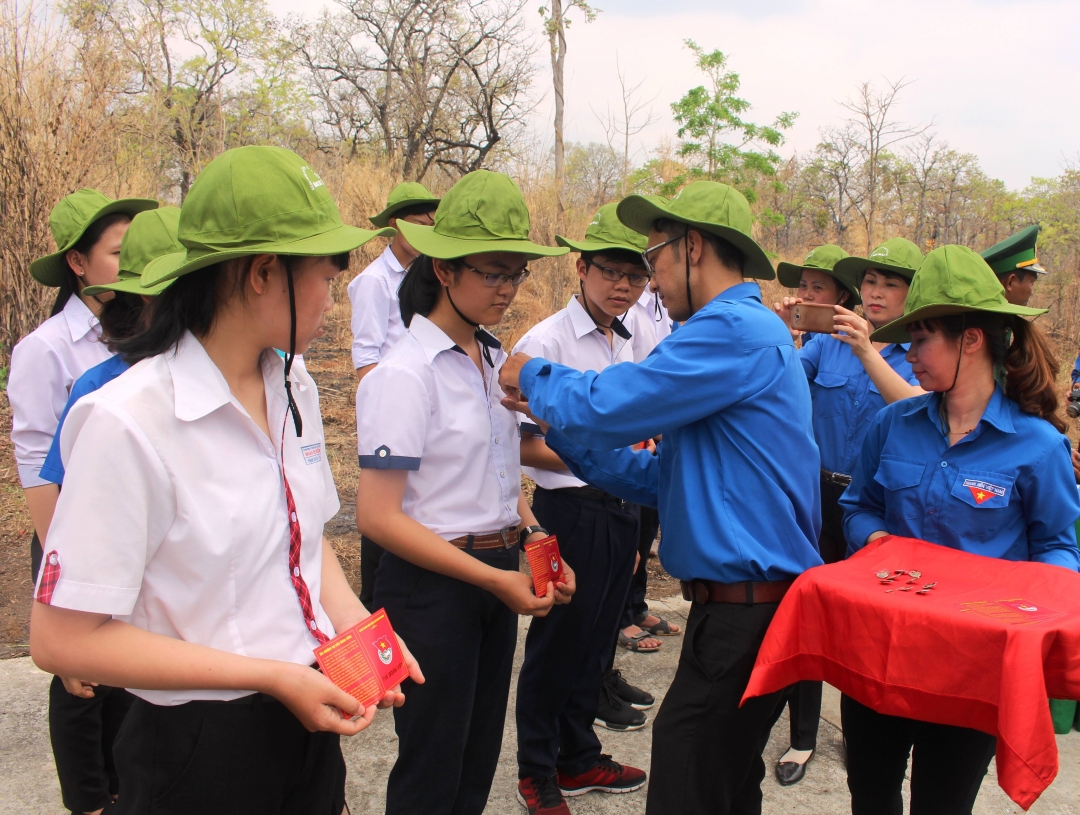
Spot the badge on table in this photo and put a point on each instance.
(1012, 612)
(364, 661)
(545, 563)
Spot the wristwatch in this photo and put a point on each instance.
(529, 530)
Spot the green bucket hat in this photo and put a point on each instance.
(706, 205)
(951, 280)
(70, 219)
(897, 255)
(252, 201)
(820, 259)
(151, 235)
(403, 195)
(482, 212)
(606, 231)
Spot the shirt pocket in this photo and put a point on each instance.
(829, 394)
(900, 478)
(979, 505)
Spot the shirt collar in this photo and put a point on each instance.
(434, 340)
(80, 319)
(998, 412)
(584, 324)
(391, 261)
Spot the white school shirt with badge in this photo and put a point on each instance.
(572, 338)
(376, 314)
(44, 366)
(427, 409)
(173, 512)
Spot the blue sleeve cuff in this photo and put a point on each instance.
(529, 372)
(51, 473)
(860, 527)
(383, 460)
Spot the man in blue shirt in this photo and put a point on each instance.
(736, 481)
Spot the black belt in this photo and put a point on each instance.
(839, 479)
(593, 494)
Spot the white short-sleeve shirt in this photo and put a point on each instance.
(44, 366)
(376, 313)
(173, 512)
(651, 321)
(572, 338)
(427, 409)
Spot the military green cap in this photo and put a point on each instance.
(151, 235)
(70, 219)
(403, 195)
(482, 212)
(897, 255)
(706, 205)
(1015, 254)
(252, 201)
(820, 259)
(606, 231)
(951, 280)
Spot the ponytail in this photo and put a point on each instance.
(121, 317)
(420, 290)
(1030, 373)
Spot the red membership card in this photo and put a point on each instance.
(365, 661)
(545, 563)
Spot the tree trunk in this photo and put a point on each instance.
(557, 39)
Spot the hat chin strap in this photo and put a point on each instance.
(298, 422)
(473, 323)
(689, 297)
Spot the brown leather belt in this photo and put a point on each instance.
(503, 539)
(709, 591)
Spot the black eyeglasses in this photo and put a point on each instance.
(496, 280)
(638, 281)
(653, 249)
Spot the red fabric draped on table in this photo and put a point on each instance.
(984, 648)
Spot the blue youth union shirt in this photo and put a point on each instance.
(845, 398)
(92, 379)
(1005, 490)
(737, 478)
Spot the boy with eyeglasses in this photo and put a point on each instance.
(569, 652)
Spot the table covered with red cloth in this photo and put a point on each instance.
(984, 648)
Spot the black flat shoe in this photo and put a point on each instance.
(789, 772)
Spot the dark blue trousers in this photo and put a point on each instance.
(450, 728)
(567, 651)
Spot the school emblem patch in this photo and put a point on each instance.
(555, 564)
(312, 453)
(385, 649)
(983, 491)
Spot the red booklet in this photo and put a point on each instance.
(365, 661)
(545, 563)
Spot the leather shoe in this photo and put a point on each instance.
(790, 772)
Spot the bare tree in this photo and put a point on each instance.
(555, 25)
(430, 82)
(874, 131)
(833, 178)
(633, 116)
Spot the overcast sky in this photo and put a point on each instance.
(1001, 78)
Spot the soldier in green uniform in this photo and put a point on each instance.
(1015, 264)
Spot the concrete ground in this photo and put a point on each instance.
(28, 779)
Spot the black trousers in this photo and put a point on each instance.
(82, 732)
(948, 763)
(636, 607)
(450, 728)
(706, 750)
(370, 555)
(567, 652)
(250, 756)
(804, 698)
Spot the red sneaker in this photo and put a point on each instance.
(541, 796)
(606, 776)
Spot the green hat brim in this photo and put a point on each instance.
(896, 331)
(426, 241)
(639, 213)
(789, 275)
(594, 246)
(382, 220)
(130, 285)
(849, 269)
(49, 270)
(336, 241)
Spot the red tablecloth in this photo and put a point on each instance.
(984, 648)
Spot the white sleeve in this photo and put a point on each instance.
(371, 304)
(37, 390)
(116, 507)
(392, 414)
(644, 338)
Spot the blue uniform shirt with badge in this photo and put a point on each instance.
(1005, 490)
(737, 477)
(845, 398)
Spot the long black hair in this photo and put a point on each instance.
(419, 292)
(69, 283)
(121, 317)
(191, 303)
